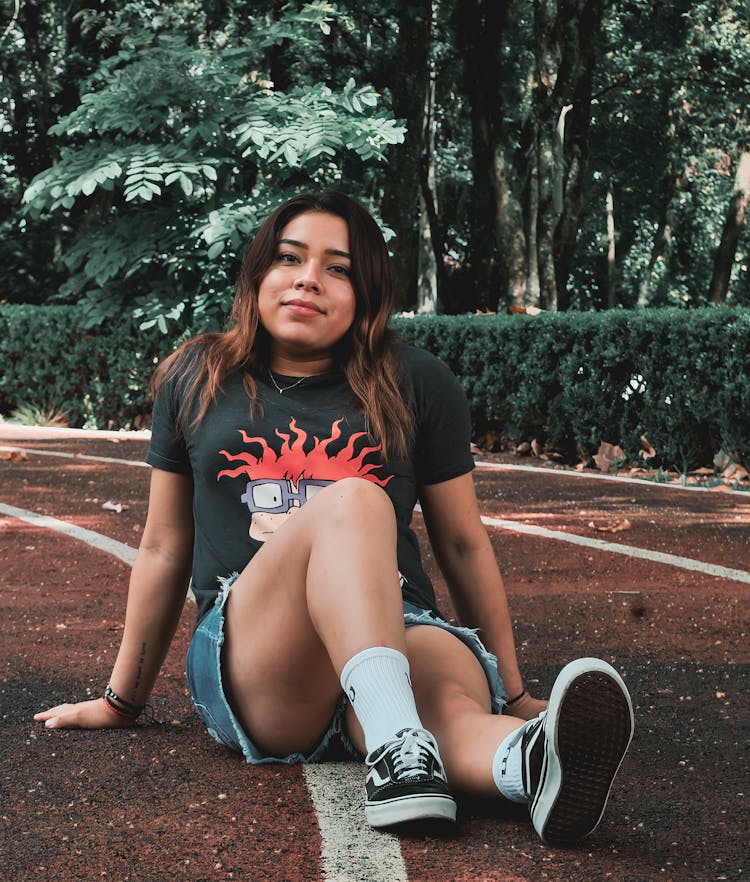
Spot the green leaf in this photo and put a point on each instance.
(216, 249)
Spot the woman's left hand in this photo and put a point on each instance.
(526, 707)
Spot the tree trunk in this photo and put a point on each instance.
(431, 265)
(479, 26)
(400, 206)
(564, 34)
(724, 260)
(662, 239)
(511, 237)
(611, 250)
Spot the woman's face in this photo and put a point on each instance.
(306, 299)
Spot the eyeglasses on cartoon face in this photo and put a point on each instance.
(277, 497)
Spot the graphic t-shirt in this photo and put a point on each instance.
(251, 471)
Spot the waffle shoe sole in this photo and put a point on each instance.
(587, 730)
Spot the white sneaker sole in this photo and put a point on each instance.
(410, 808)
(588, 728)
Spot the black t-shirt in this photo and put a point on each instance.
(251, 471)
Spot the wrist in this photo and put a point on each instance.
(515, 698)
(120, 706)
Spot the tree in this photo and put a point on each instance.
(180, 146)
(725, 253)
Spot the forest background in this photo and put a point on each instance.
(520, 154)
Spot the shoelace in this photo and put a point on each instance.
(412, 753)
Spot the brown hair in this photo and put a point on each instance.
(368, 353)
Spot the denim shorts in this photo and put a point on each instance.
(204, 673)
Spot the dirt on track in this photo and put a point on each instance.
(162, 801)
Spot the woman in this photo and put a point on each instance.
(288, 454)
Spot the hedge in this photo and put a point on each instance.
(679, 377)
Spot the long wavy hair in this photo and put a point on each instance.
(367, 354)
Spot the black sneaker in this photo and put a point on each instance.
(572, 752)
(406, 781)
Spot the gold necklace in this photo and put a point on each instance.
(282, 389)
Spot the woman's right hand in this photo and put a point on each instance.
(92, 714)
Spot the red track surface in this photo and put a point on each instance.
(163, 801)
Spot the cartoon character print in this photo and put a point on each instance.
(281, 482)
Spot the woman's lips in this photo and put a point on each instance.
(302, 308)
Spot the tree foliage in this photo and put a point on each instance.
(558, 153)
(181, 144)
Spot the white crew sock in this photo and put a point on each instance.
(506, 767)
(376, 682)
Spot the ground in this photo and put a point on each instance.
(163, 801)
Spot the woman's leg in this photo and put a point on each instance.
(453, 699)
(321, 589)
(561, 764)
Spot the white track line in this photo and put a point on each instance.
(674, 560)
(685, 563)
(595, 476)
(351, 851)
(86, 456)
(118, 549)
(480, 464)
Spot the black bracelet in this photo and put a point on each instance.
(520, 695)
(120, 705)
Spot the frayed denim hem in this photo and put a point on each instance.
(414, 615)
(204, 674)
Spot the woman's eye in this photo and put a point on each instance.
(287, 257)
(339, 269)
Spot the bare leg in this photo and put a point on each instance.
(322, 588)
(453, 700)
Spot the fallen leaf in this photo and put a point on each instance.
(114, 506)
(648, 451)
(638, 473)
(612, 527)
(722, 460)
(734, 472)
(13, 455)
(607, 455)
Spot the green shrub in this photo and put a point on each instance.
(679, 377)
(98, 378)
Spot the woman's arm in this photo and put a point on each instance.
(158, 585)
(464, 553)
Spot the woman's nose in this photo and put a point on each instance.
(307, 282)
(308, 278)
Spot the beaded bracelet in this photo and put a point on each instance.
(120, 705)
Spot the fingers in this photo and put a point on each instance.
(61, 716)
(82, 715)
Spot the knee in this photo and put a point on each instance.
(357, 500)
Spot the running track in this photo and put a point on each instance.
(665, 600)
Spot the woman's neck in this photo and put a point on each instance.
(300, 367)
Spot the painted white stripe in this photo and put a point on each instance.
(352, 851)
(674, 560)
(595, 476)
(118, 549)
(500, 467)
(65, 455)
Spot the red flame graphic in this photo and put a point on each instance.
(292, 462)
